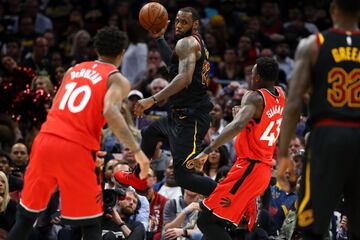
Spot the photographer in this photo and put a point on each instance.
(118, 225)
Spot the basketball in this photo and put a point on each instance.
(153, 17)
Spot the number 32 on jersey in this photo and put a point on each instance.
(71, 95)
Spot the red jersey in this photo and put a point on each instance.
(257, 141)
(76, 113)
(156, 217)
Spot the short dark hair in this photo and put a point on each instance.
(267, 68)
(348, 6)
(110, 41)
(5, 155)
(194, 13)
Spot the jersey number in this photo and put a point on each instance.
(345, 88)
(72, 94)
(269, 133)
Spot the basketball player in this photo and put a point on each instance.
(188, 121)
(329, 64)
(64, 152)
(257, 126)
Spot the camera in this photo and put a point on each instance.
(110, 198)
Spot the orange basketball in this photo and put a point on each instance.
(153, 17)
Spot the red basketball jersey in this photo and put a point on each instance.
(76, 113)
(257, 141)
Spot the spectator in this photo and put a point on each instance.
(13, 49)
(170, 189)
(217, 159)
(26, 34)
(80, 50)
(41, 22)
(180, 216)
(271, 24)
(43, 82)
(247, 51)
(37, 60)
(282, 57)
(296, 144)
(119, 225)
(109, 173)
(15, 183)
(157, 204)
(19, 159)
(7, 205)
(160, 109)
(135, 58)
(229, 69)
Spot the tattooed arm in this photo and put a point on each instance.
(119, 87)
(186, 50)
(251, 107)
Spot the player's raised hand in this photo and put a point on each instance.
(142, 105)
(199, 161)
(285, 163)
(160, 33)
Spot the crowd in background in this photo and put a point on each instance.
(40, 40)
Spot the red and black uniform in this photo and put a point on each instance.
(332, 166)
(251, 172)
(64, 152)
(156, 217)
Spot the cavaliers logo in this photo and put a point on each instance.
(190, 164)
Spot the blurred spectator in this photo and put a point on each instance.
(247, 51)
(26, 34)
(19, 159)
(271, 23)
(229, 69)
(282, 57)
(42, 82)
(7, 206)
(80, 50)
(41, 22)
(7, 132)
(170, 189)
(296, 18)
(15, 183)
(180, 216)
(135, 58)
(157, 204)
(94, 13)
(341, 231)
(160, 109)
(217, 159)
(133, 97)
(37, 60)
(109, 173)
(296, 144)
(266, 52)
(254, 30)
(58, 11)
(13, 49)
(52, 41)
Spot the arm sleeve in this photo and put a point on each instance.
(164, 50)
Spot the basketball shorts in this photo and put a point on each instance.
(236, 195)
(57, 162)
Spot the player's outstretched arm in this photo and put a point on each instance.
(305, 58)
(251, 107)
(118, 88)
(186, 49)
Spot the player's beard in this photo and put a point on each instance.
(185, 34)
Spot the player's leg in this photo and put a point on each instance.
(211, 226)
(152, 134)
(352, 188)
(186, 136)
(322, 181)
(235, 196)
(80, 191)
(39, 184)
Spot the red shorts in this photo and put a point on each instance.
(55, 161)
(236, 195)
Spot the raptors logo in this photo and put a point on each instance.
(225, 202)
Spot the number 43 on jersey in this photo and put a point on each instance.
(272, 132)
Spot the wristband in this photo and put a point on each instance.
(155, 101)
(121, 224)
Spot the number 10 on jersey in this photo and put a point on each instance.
(71, 94)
